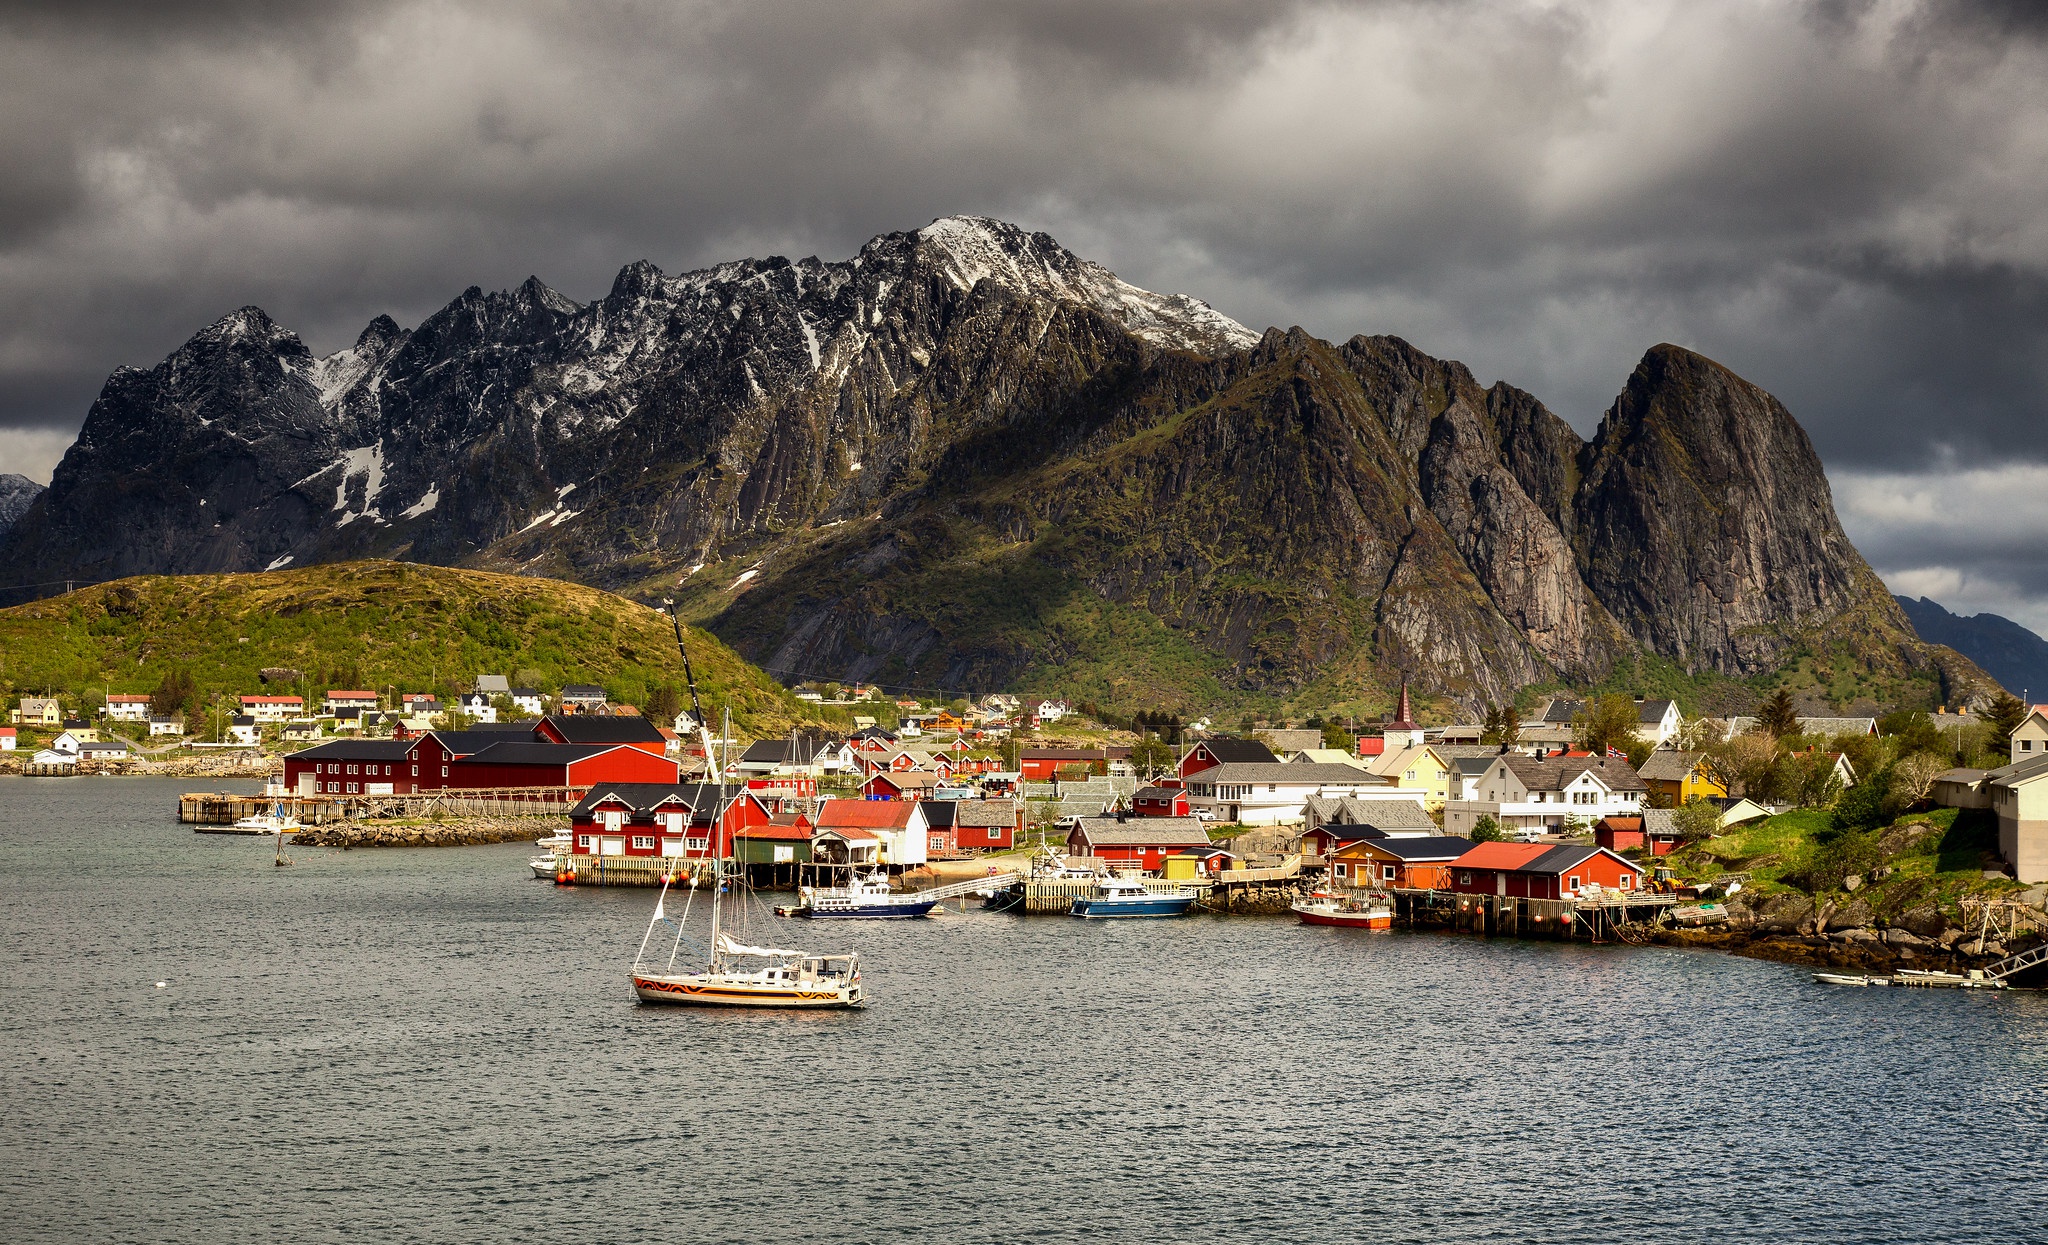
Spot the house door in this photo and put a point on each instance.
(308, 783)
(612, 845)
(671, 845)
(1500, 884)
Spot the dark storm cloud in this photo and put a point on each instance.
(1840, 201)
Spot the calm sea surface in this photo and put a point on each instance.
(430, 1045)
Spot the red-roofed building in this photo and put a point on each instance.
(900, 825)
(910, 785)
(1372, 745)
(1540, 870)
(273, 708)
(348, 699)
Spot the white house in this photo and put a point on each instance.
(9, 737)
(242, 729)
(337, 701)
(584, 697)
(528, 700)
(2030, 737)
(477, 706)
(1050, 710)
(70, 742)
(127, 707)
(1528, 797)
(1274, 793)
(166, 726)
(272, 708)
(1657, 720)
(2019, 796)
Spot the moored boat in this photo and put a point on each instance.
(863, 898)
(1128, 897)
(1350, 911)
(545, 866)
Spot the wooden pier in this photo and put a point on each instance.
(1059, 894)
(226, 808)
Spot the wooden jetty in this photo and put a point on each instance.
(227, 808)
(50, 769)
(1058, 894)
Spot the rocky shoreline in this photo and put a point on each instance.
(443, 832)
(238, 764)
(1841, 932)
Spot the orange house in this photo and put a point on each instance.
(1398, 864)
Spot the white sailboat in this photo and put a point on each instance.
(739, 975)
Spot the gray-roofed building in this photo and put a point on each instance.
(1824, 728)
(1528, 796)
(1143, 841)
(1276, 793)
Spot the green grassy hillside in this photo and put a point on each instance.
(382, 625)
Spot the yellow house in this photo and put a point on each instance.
(1419, 766)
(1681, 776)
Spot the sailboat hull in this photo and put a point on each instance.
(710, 990)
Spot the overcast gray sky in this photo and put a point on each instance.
(1842, 201)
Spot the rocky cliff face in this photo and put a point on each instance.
(966, 455)
(16, 494)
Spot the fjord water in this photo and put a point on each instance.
(429, 1045)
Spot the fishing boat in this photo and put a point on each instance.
(1127, 897)
(276, 821)
(544, 866)
(863, 898)
(1367, 911)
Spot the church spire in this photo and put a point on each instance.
(1404, 718)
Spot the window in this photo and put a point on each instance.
(444, 771)
(351, 769)
(1575, 881)
(334, 788)
(1340, 871)
(643, 842)
(696, 843)
(1464, 879)
(1388, 873)
(583, 840)
(353, 788)
(415, 771)
(2026, 745)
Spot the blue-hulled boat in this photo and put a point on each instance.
(864, 898)
(1127, 897)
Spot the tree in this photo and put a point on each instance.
(1913, 731)
(664, 702)
(1809, 779)
(1609, 722)
(1487, 830)
(1745, 764)
(1913, 777)
(176, 695)
(1335, 736)
(1696, 819)
(1149, 756)
(2005, 715)
(1777, 717)
(1501, 725)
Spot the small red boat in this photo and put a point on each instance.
(1355, 911)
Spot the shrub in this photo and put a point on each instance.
(1487, 830)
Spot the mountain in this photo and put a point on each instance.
(16, 493)
(372, 624)
(2010, 653)
(967, 458)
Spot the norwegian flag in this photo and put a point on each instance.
(1616, 752)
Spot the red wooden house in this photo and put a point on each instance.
(1042, 764)
(1142, 841)
(636, 732)
(577, 766)
(1540, 870)
(900, 785)
(663, 819)
(1166, 799)
(1652, 830)
(1398, 864)
(354, 767)
(1224, 750)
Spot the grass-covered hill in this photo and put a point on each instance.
(375, 624)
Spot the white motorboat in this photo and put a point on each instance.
(559, 841)
(863, 898)
(544, 867)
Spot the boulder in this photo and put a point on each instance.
(1783, 914)
(1852, 883)
(1927, 921)
(1855, 915)
(1858, 935)
(1897, 937)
